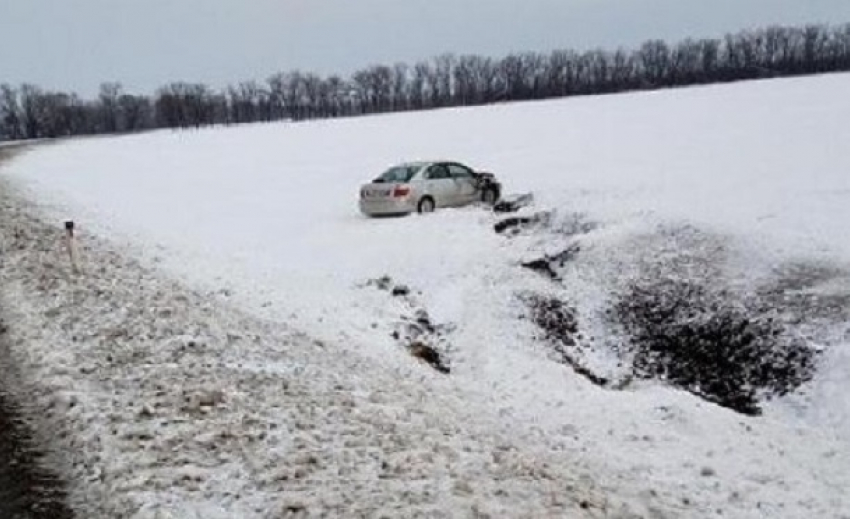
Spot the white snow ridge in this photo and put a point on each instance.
(230, 348)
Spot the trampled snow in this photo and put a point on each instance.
(264, 217)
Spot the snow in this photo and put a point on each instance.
(161, 403)
(259, 223)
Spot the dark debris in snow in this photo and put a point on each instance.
(698, 340)
(415, 330)
(514, 225)
(512, 204)
(559, 325)
(550, 264)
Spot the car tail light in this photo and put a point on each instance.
(401, 191)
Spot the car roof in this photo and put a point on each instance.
(423, 163)
(415, 164)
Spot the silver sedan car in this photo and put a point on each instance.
(424, 186)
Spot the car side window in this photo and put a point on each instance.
(437, 172)
(458, 171)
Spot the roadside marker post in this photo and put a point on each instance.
(71, 244)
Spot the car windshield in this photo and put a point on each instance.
(399, 174)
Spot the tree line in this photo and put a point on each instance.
(30, 112)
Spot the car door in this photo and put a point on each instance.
(441, 185)
(466, 189)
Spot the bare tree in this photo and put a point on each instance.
(443, 66)
(337, 92)
(110, 110)
(418, 85)
(30, 97)
(10, 113)
(183, 105)
(312, 88)
(654, 57)
(246, 102)
(400, 88)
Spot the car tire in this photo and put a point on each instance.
(490, 196)
(426, 205)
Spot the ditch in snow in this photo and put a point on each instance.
(680, 323)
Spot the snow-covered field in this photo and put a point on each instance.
(261, 223)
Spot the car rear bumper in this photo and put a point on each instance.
(387, 206)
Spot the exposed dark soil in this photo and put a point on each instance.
(517, 224)
(702, 341)
(559, 324)
(737, 346)
(416, 332)
(27, 489)
(557, 224)
(430, 356)
(513, 204)
(550, 265)
(421, 337)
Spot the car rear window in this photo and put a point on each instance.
(398, 174)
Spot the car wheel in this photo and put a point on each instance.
(490, 196)
(426, 205)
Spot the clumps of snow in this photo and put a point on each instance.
(564, 224)
(425, 340)
(415, 330)
(568, 224)
(514, 225)
(400, 291)
(513, 203)
(381, 283)
(560, 329)
(550, 264)
(429, 355)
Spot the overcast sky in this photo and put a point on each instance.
(76, 44)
